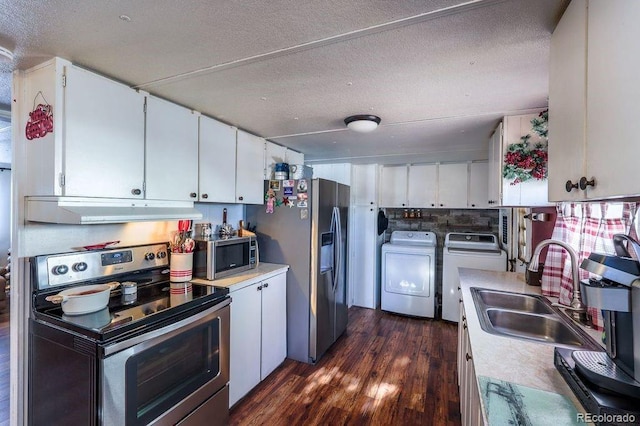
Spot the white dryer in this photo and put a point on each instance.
(467, 250)
(408, 274)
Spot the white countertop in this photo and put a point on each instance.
(513, 360)
(242, 279)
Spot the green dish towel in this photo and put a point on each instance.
(511, 404)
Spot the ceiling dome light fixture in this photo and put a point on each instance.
(5, 54)
(362, 123)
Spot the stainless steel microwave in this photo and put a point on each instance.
(216, 258)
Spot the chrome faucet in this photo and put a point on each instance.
(577, 308)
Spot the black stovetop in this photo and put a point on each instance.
(155, 301)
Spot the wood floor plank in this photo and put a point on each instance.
(385, 370)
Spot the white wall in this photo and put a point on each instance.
(339, 172)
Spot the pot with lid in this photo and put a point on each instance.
(84, 299)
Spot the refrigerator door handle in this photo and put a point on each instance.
(337, 246)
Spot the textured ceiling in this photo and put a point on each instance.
(440, 73)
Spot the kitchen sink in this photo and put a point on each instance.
(526, 316)
(543, 328)
(514, 301)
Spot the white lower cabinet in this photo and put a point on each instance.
(258, 333)
(470, 408)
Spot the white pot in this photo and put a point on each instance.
(84, 299)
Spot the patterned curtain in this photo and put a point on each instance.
(587, 227)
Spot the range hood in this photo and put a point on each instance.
(89, 211)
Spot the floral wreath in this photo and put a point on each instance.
(524, 161)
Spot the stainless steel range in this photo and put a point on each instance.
(158, 353)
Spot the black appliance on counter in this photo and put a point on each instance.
(608, 383)
(157, 354)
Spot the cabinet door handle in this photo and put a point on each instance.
(371, 203)
(241, 198)
(193, 195)
(441, 205)
(259, 288)
(584, 183)
(136, 191)
(473, 205)
(433, 205)
(464, 326)
(467, 357)
(205, 196)
(569, 186)
(265, 285)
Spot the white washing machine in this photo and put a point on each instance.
(466, 250)
(408, 274)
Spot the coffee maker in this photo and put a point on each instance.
(608, 382)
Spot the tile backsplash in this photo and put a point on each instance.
(443, 221)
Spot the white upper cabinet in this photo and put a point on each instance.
(613, 89)
(422, 188)
(567, 98)
(453, 185)
(249, 168)
(478, 185)
(433, 186)
(216, 162)
(96, 148)
(274, 154)
(593, 89)
(103, 137)
(393, 186)
(364, 184)
(171, 151)
(510, 191)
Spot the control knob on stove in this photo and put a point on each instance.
(79, 267)
(60, 269)
(149, 256)
(161, 254)
(148, 311)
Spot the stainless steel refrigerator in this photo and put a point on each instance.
(307, 231)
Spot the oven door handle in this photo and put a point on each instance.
(165, 333)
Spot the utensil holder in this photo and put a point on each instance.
(181, 267)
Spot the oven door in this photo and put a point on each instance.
(163, 376)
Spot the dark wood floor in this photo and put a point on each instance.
(385, 370)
